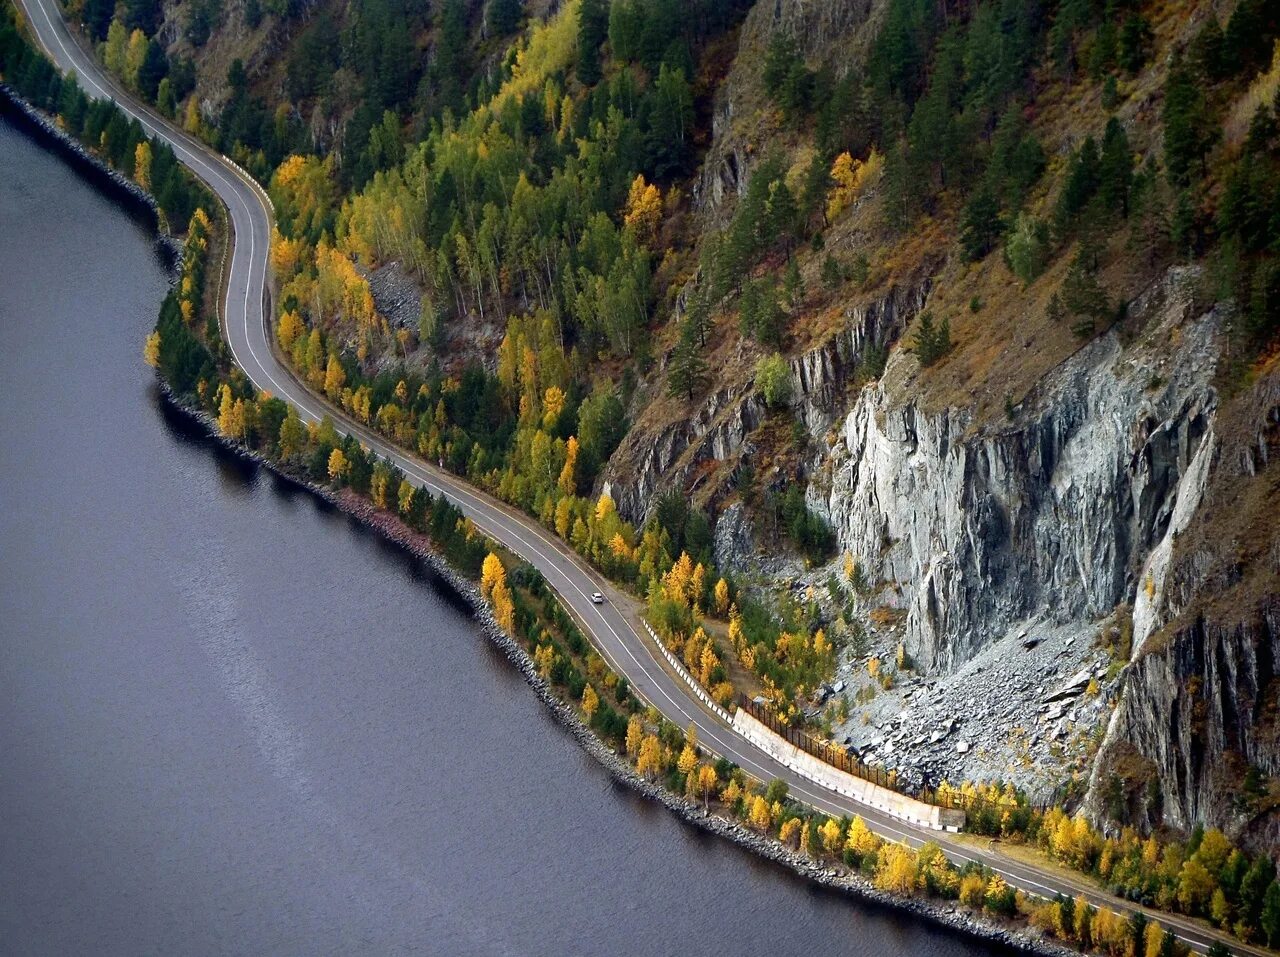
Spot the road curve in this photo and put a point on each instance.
(628, 651)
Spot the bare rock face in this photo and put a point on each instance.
(1197, 734)
(1048, 517)
(1199, 710)
(655, 457)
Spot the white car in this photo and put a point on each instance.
(597, 598)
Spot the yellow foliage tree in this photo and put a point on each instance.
(644, 210)
(688, 760)
(337, 465)
(635, 734)
(134, 55)
(896, 869)
(852, 177)
(288, 329)
(142, 164)
(151, 350)
(544, 659)
(861, 841)
(604, 507)
(404, 497)
(1153, 939)
(231, 414)
(492, 572)
(722, 598)
(706, 782)
(759, 816)
(973, 890)
(553, 401)
(114, 50)
(335, 377)
(731, 792)
(590, 702)
(649, 762)
(789, 833)
(708, 662)
(564, 516)
(568, 482)
(830, 834)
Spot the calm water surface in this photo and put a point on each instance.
(234, 721)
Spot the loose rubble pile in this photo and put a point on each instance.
(395, 295)
(1028, 709)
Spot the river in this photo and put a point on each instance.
(235, 721)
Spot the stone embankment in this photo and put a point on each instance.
(119, 186)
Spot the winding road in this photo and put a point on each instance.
(611, 626)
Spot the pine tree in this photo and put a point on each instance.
(687, 372)
(981, 226)
(1115, 169)
(1189, 131)
(931, 342)
(1083, 295)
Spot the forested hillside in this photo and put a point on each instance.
(879, 342)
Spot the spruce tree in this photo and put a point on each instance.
(593, 27)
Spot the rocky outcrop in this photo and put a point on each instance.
(1049, 516)
(1197, 733)
(819, 377)
(665, 455)
(1200, 709)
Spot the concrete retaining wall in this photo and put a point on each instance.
(891, 802)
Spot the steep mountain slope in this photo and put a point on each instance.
(946, 331)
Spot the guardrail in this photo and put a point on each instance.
(688, 679)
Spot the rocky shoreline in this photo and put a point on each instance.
(137, 200)
(947, 914)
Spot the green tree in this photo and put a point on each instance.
(96, 16)
(1082, 293)
(1189, 130)
(1253, 889)
(1083, 176)
(593, 28)
(931, 342)
(773, 380)
(155, 65)
(687, 372)
(1027, 248)
(1135, 41)
(759, 314)
(669, 138)
(981, 226)
(1269, 921)
(503, 17)
(1115, 169)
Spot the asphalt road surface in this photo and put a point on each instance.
(611, 627)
